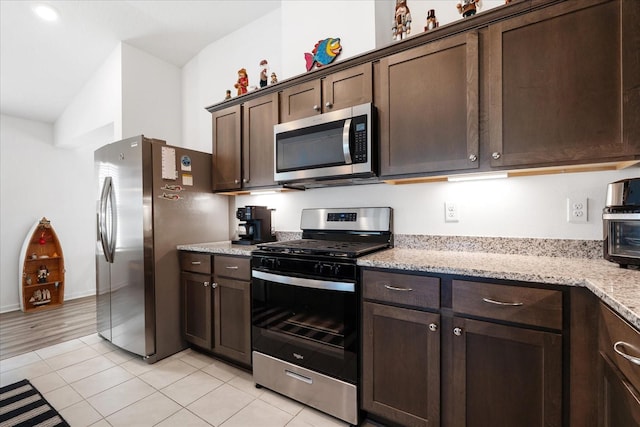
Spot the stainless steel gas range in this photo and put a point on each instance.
(305, 307)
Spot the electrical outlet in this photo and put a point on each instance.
(451, 212)
(577, 208)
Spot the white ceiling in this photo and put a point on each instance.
(43, 65)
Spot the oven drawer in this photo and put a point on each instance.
(195, 262)
(519, 304)
(404, 289)
(621, 343)
(232, 267)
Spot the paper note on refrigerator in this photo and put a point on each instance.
(169, 170)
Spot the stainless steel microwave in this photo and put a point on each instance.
(328, 146)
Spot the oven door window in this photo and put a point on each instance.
(318, 146)
(312, 328)
(624, 238)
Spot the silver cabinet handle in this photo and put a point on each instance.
(214, 285)
(495, 155)
(231, 267)
(196, 262)
(236, 181)
(395, 288)
(245, 180)
(298, 377)
(473, 157)
(457, 331)
(433, 327)
(316, 107)
(504, 304)
(328, 104)
(632, 359)
(205, 284)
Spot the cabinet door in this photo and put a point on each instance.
(506, 376)
(226, 149)
(347, 88)
(259, 117)
(555, 96)
(429, 107)
(232, 319)
(401, 365)
(619, 400)
(196, 309)
(300, 101)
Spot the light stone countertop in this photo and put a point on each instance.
(618, 287)
(226, 248)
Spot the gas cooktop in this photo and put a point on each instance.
(323, 247)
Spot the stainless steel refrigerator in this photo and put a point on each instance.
(151, 197)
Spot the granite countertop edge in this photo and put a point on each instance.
(617, 287)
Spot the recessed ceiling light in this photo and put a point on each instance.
(46, 12)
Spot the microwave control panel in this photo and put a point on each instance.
(360, 139)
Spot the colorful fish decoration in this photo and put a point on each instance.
(323, 53)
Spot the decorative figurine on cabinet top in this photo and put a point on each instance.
(264, 70)
(243, 81)
(468, 8)
(323, 53)
(432, 21)
(401, 20)
(227, 95)
(274, 78)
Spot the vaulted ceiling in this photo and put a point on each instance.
(43, 65)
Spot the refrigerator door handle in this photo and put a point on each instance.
(107, 230)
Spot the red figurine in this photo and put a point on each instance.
(243, 81)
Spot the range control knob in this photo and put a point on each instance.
(268, 262)
(335, 269)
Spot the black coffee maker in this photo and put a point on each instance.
(257, 224)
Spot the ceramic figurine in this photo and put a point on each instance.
(264, 70)
(274, 78)
(43, 273)
(432, 21)
(243, 81)
(323, 53)
(401, 20)
(468, 8)
(227, 95)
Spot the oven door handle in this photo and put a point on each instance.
(307, 283)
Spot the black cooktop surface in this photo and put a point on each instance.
(323, 247)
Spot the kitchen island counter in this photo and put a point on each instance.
(618, 287)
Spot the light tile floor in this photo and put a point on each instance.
(93, 383)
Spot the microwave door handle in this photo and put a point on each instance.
(345, 142)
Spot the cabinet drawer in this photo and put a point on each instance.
(405, 289)
(620, 342)
(233, 267)
(539, 307)
(195, 262)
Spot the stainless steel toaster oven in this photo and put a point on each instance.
(621, 222)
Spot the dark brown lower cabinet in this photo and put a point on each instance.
(505, 375)
(620, 401)
(196, 293)
(232, 333)
(401, 364)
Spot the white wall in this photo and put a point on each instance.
(40, 179)
(151, 97)
(96, 110)
(532, 206)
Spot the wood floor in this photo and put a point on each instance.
(23, 332)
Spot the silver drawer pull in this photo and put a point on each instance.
(507, 304)
(395, 288)
(196, 262)
(298, 377)
(632, 359)
(231, 267)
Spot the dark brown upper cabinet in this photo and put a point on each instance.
(227, 166)
(341, 89)
(428, 108)
(562, 88)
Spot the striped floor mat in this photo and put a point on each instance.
(22, 405)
